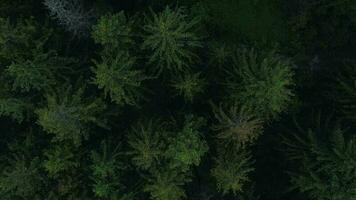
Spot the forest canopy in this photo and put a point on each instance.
(177, 100)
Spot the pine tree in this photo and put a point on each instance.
(262, 81)
(171, 37)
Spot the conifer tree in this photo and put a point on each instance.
(189, 86)
(68, 114)
(263, 81)
(106, 172)
(326, 163)
(188, 147)
(166, 185)
(117, 77)
(20, 178)
(114, 32)
(346, 91)
(236, 127)
(147, 142)
(231, 171)
(171, 37)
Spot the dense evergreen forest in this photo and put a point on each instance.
(177, 99)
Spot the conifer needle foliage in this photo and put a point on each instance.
(117, 77)
(232, 170)
(326, 165)
(20, 179)
(188, 147)
(189, 86)
(68, 115)
(106, 172)
(166, 185)
(346, 91)
(13, 108)
(147, 142)
(263, 81)
(171, 37)
(236, 126)
(113, 31)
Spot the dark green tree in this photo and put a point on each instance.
(232, 171)
(325, 159)
(68, 114)
(107, 169)
(236, 127)
(262, 81)
(171, 38)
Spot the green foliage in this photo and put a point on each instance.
(346, 92)
(16, 39)
(113, 31)
(147, 144)
(13, 108)
(29, 64)
(68, 115)
(59, 159)
(188, 147)
(236, 126)
(326, 166)
(232, 170)
(119, 79)
(189, 85)
(20, 178)
(263, 81)
(166, 185)
(106, 172)
(171, 37)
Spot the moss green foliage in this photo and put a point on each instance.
(171, 39)
(236, 127)
(263, 81)
(231, 171)
(326, 167)
(189, 86)
(177, 100)
(67, 115)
